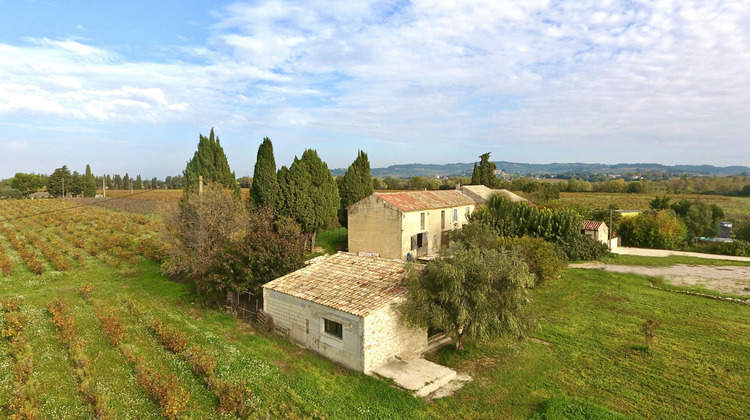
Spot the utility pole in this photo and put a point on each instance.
(63, 185)
(104, 185)
(609, 231)
(131, 186)
(200, 184)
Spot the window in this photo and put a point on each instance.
(421, 221)
(442, 219)
(334, 328)
(468, 210)
(455, 215)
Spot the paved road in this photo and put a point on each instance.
(644, 252)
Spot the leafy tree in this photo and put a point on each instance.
(77, 182)
(393, 183)
(89, 187)
(660, 229)
(539, 255)
(356, 184)
(212, 240)
(475, 294)
(126, 181)
(210, 162)
(308, 194)
(154, 183)
(484, 173)
(377, 184)
(27, 183)
(659, 203)
(265, 187)
(138, 184)
(59, 180)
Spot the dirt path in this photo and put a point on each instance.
(726, 279)
(645, 252)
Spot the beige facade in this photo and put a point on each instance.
(393, 225)
(343, 308)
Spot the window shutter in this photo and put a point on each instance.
(414, 242)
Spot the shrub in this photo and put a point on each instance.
(175, 341)
(200, 360)
(12, 304)
(568, 408)
(233, 398)
(172, 398)
(113, 328)
(539, 255)
(649, 330)
(737, 248)
(86, 290)
(15, 323)
(584, 248)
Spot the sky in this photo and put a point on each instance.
(129, 86)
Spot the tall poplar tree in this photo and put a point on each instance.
(265, 189)
(89, 187)
(356, 184)
(210, 162)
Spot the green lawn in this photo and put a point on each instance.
(589, 350)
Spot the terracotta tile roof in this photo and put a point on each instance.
(347, 282)
(591, 225)
(425, 200)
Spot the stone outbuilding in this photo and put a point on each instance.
(481, 193)
(343, 307)
(394, 225)
(600, 232)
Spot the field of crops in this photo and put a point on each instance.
(100, 333)
(734, 207)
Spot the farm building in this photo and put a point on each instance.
(600, 232)
(394, 225)
(481, 193)
(343, 308)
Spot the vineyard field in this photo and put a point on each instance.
(92, 329)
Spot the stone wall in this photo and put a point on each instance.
(375, 227)
(386, 337)
(304, 319)
(434, 226)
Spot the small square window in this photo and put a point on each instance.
(455, 215)
(334, 328)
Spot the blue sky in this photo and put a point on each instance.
(128, 86)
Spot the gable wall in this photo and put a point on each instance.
(386, 337)
(375, 226)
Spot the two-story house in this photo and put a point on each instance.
(398, 224)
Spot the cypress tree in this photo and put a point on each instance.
(475, 178)
(356, 184)
(308, 194)
(89, 188)
(265, 189)
(210, 162)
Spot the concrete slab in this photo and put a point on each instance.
(419, 376)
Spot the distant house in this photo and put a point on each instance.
(342, 307)
(481, 193)
(599, 232)
(416, 223)
(725, 229)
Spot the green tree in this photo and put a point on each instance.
(89, 188)
(308, 194)
(660, 229)
(126, 181)
(212, 240)
(58, 184)
(475, 294)
(77, 183)
(484, 173)
(27, 183)
(210, 162)
(138, 184)
(265, 187)
(355, 185)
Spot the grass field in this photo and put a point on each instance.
(734, 207)
(589, 351)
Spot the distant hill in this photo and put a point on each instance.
(525, 169)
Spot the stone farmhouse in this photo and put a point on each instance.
(343, 308)
(402, 224)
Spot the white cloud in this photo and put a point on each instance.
(534, 72)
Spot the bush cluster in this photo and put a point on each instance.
(172, 398)
(25, 400)
(174, 340)
(737, 248)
